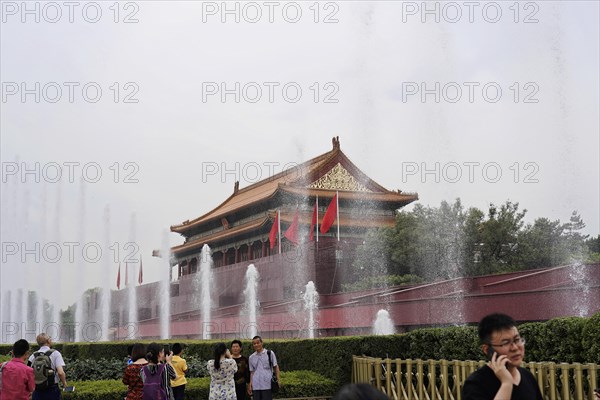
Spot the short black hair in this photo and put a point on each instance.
(236, 341)
(257, 337)
(360, 391)
(138, 350)
(177, 348)
(492, 323)
(20, 347)
(129, 349)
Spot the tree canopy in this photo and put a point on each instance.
(450, 241)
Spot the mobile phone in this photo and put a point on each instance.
(490, 353)
(69, 389)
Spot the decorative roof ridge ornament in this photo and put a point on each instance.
(338, 178)
(335, 141)
(236, 186)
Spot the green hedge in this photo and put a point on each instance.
(294, 384)
(571, 339)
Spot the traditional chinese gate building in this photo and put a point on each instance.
(238, 231)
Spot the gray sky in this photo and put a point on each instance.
(500, 99)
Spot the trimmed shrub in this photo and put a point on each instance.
(570, 339)
(558, 340)
(294, 384)
(591, 339)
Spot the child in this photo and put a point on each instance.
(180, 366)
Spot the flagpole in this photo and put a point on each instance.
(279, 230)
(337, 204)
(317, 224)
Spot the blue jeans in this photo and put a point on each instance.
(50, 394)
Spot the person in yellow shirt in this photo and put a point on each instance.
(180, 366)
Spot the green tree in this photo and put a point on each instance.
(541, 244)
(473, 241)
(574, 240)
(593, 249)
(499, 235)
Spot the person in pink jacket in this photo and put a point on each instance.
(17, 381)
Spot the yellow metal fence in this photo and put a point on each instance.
(443, 380)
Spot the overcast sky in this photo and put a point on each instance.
(172, 102)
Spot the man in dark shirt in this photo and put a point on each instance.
(502, 378)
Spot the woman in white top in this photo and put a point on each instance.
(221, 370)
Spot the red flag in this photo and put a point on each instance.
(330, 215)
(313, 223)
(292, 232)
(274, 230)
(141, 274)
(126, 274)
(119, 278)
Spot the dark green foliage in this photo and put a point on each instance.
(295, 384)
(570, 339)
(382, 281)
(94, 370)
(330, 357)
(101, 369)
(447, 242)
(591, 339)
(558, 340)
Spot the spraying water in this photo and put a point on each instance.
(311, 303)
(130, 282)
(54, 294)
(79, 273)
(250, 294)
(106, 293)
(206, 277)
(383, 324)
(165, 288)
(581, 280)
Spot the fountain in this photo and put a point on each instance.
(106, 283)
(251, 304)
(55, 285)
(130, 283)
(165, 288)
(581, 302)
(79, 272)
(206, 277)
(311, 303)
(383, 324)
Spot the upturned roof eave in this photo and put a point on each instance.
(214, 214)
(221, 235)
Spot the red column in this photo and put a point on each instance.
(237, 255)
(249, 251)
(225, 257)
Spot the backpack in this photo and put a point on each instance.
(42, 370)
(153, 383)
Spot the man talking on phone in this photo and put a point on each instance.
(502, 378)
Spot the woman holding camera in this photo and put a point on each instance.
(221, 370)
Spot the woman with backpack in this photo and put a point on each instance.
(221, 370)
(157, 375)
(131, 376)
